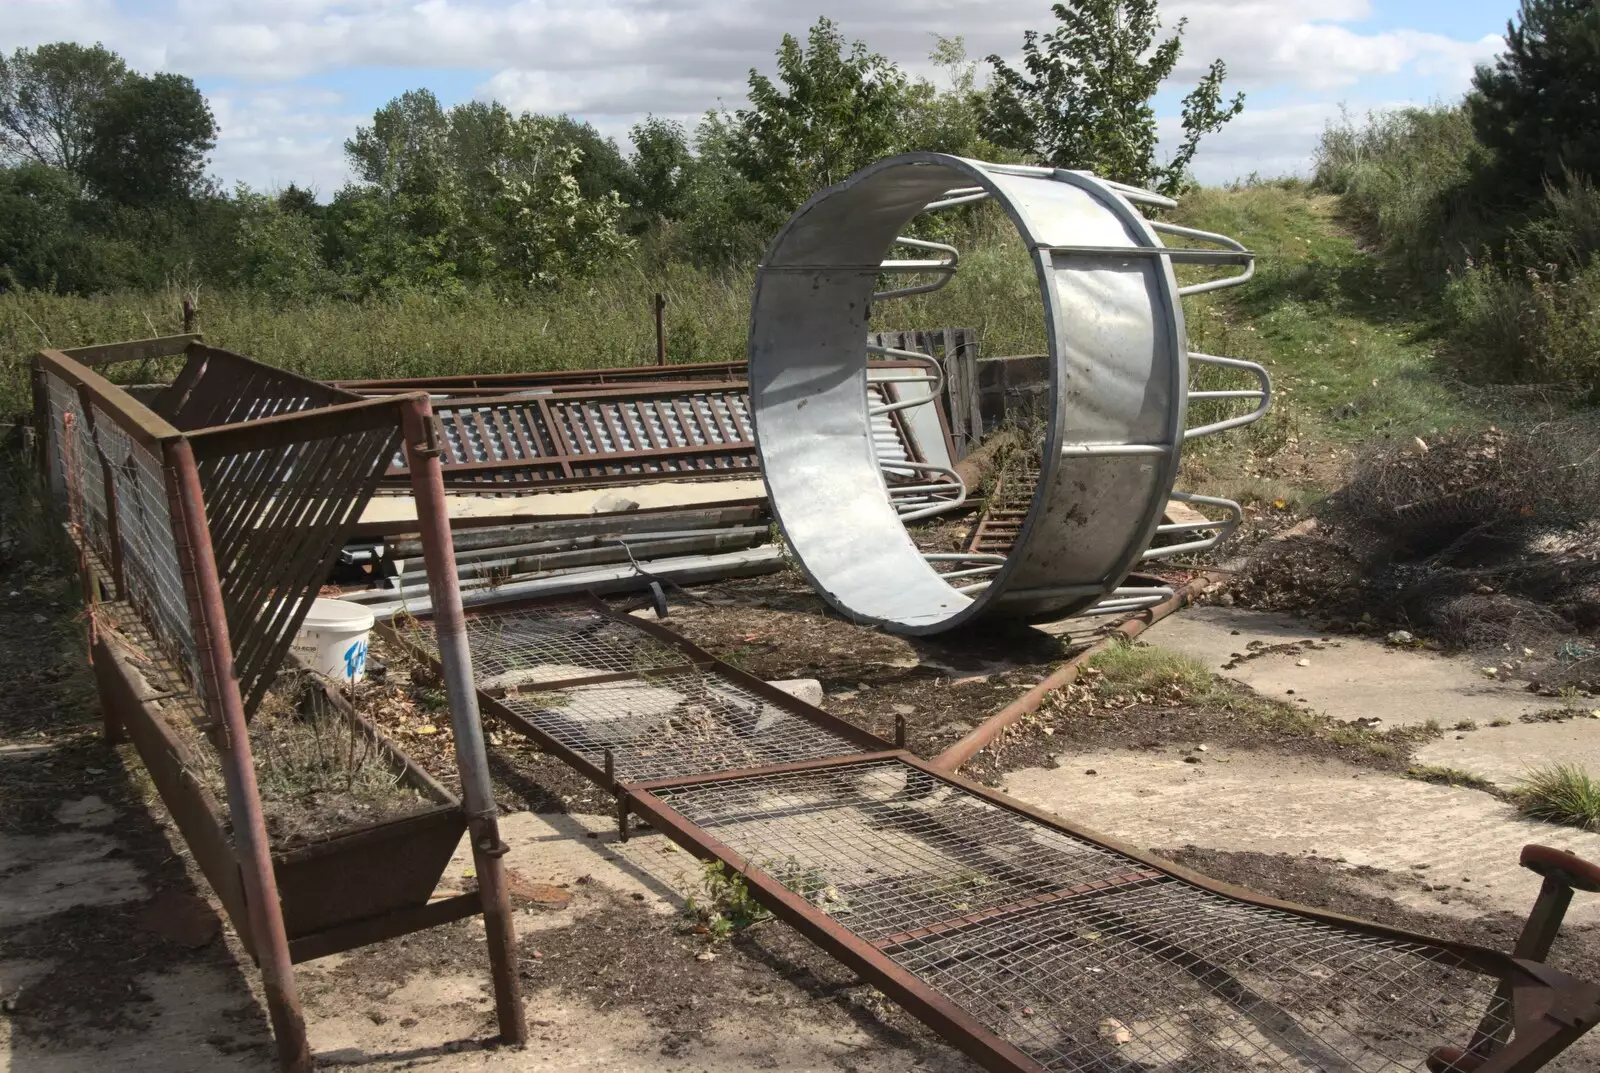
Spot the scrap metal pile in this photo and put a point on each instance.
(208, 520)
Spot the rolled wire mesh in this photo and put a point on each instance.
(278, 516)
(1084, 958)
(670, 717)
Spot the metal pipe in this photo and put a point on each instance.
(624, 577)
(269, 940)
(640, 541)
(455, 658)
(952, 758)
(630, 522)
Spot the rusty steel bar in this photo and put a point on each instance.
(952, 758)
(449, 623)
(232, 737)
(133, 350)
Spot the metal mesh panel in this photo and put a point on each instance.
(152, 579)
(79, 480)
(668, 717)
(278, 516)
(554, 642)
(152, 576)
(664, 726)
(1084, 958)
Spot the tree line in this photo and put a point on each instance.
(103, 183)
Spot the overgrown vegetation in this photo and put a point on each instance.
(1481, 541)
(1489, 208)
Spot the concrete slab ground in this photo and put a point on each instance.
(1349, 678)
(1465, 841)
(1504, 755)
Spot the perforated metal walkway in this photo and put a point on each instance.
(1027, 943)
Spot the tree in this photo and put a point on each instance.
(659, 169)
(1538, 106)
(48, 98)
(474, 195)
(836, 112)
(149, 140)
(947, 120)
(1083, 97)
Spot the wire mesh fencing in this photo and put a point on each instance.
(1084, 958)
(605, 690)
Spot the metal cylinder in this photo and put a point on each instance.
(1107, 456)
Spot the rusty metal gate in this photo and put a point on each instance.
(594, 436)
(1028, 943)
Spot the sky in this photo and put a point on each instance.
(290, 80)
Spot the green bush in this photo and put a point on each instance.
(1404, 179)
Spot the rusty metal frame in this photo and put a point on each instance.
(1551, 1009)
(488, 384)
(280, 904)
(551, 455)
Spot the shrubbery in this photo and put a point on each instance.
(1491, 205)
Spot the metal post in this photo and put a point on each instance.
(203, 587)
(188, 317)
(661, 330)
(450, 632)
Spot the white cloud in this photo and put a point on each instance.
(614, 60)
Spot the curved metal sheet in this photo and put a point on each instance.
(1109, 452)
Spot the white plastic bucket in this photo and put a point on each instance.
(333, 639)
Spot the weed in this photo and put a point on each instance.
(726, 904)
(1448, 776)
(1560, 793)
(1466, 724)
(1141, 668)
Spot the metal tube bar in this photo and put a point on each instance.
(472, 761)
(270, 940)
(1264, 393)
(946, 268)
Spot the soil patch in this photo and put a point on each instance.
(97, 961)
(1077, 719)
(620, 954)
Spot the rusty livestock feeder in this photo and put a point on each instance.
(206, 520)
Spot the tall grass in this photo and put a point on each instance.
(1515, 282)
(602, 322)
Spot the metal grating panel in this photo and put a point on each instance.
(219, 387)
(663, 710)
(1084, 958)
(595, 435)
(664, 726)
